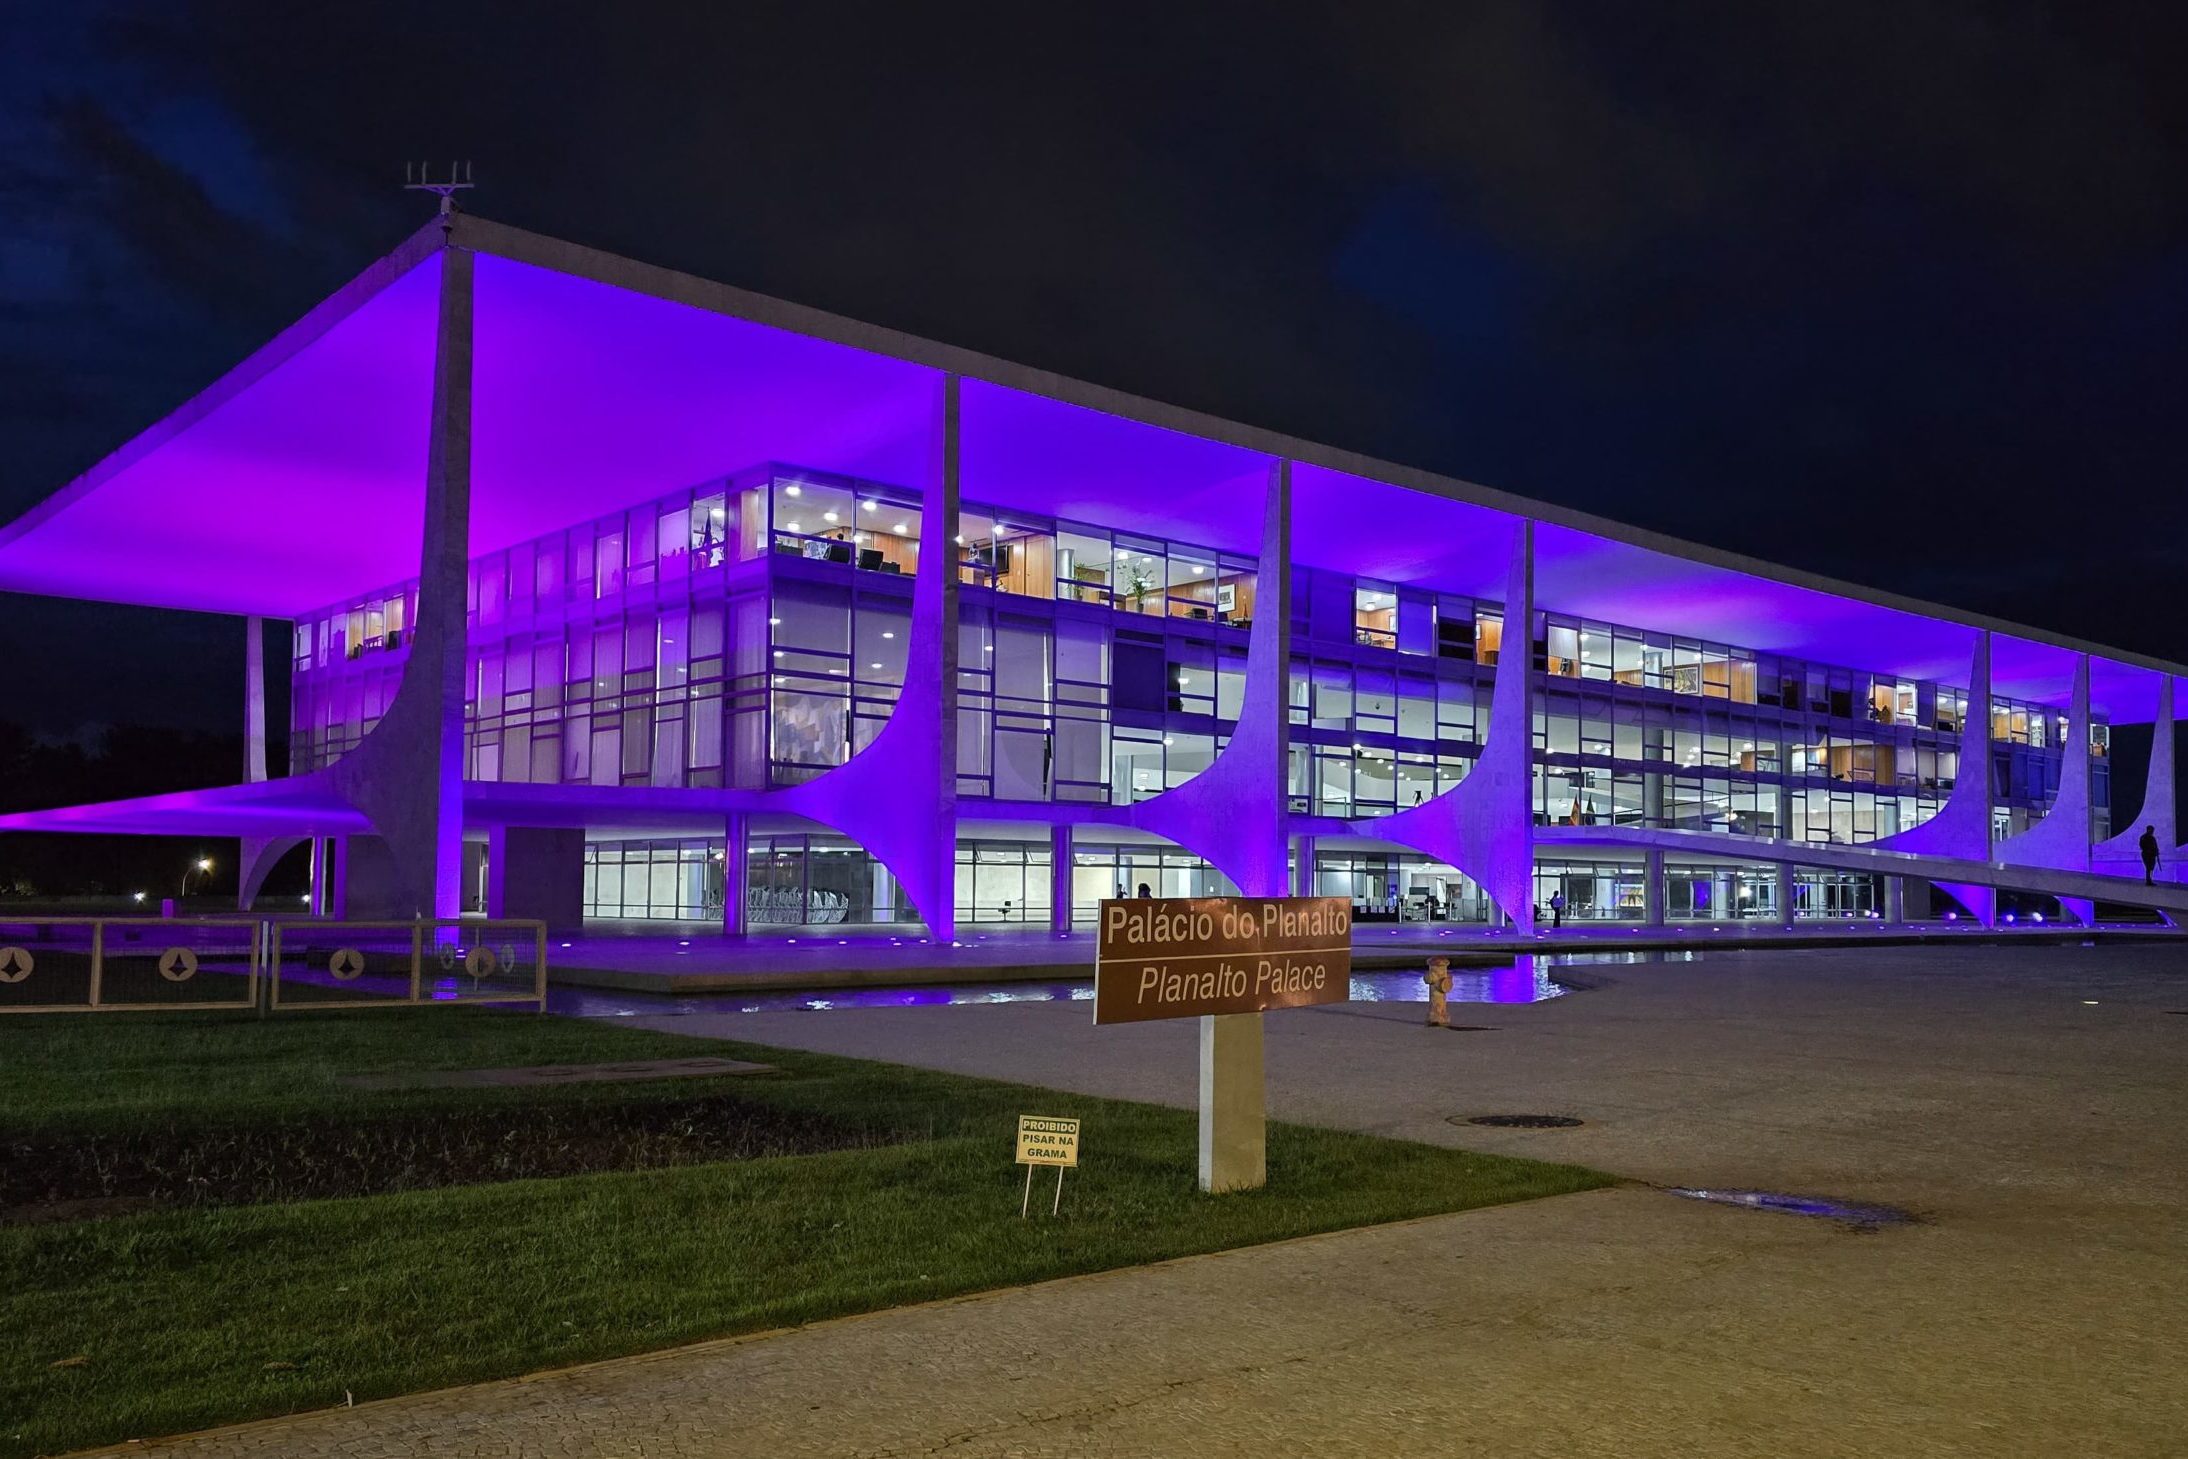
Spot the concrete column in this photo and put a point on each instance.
(1234, 1137)
(337, 876)
(2081, 909)
(1059, 878)
(735, 831)
(537, 872)
(254, 699)
(1652, 890)
(319, 876)
(1895, 899)
(1303, 866)
(1785, 893)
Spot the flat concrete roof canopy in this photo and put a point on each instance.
(297, 480)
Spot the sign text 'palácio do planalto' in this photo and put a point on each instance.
(1183, 957)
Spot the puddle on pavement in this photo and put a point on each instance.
(1850, 1213)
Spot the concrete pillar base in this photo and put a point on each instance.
(1234, 1126)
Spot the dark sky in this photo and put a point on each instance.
(1897, 292)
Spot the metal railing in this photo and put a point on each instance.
(125, 964)
(341, 964)
(144, 964)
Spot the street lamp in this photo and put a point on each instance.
(202, 864)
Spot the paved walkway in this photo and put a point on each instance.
(2037, 1311)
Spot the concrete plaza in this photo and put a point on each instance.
(2025, 1102)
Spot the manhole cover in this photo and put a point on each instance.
(1853, 1213)
(1517, 1122)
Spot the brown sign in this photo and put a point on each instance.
(1181, 957)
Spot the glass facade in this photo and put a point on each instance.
(752, 631)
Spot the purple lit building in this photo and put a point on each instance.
(620, 596)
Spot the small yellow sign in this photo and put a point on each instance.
(1043, 1140)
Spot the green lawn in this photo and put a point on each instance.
(194, 1317)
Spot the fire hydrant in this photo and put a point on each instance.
(1438, 978)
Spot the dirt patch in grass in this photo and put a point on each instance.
(73, 1177)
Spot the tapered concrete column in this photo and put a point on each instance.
(1785, 893)
(319, 845)
(255, 861)
(407, 775)
(735, 833)
(1059, 878)
(1484, 825)
(1234, 1139)
(2061, 839)
(1980, 901)
(898, 796)
(2157, 799)
(1961, 827)
(1233, 814)
(1652, 890)
(1303, 866)
(1895, 899)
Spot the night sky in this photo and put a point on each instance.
(1896, 292)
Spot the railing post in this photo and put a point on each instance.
(98, 961)
(417, 958)
(539, 963)
(262, 941)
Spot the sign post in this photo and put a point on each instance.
(1225, 961)
(1046, 1140)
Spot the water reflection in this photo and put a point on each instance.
(1525, 979)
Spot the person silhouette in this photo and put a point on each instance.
(1557, 909)
(2149, 845)
(1146, 891)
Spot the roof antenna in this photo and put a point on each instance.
(418, 178)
